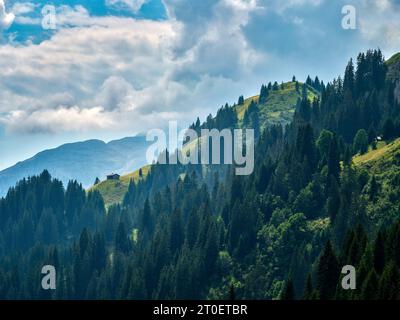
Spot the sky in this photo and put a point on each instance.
(114, 68)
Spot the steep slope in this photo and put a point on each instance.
(278, 108)
(393, 67)
(280, 105)
(81, 161)
(379, 161)
(113, 191)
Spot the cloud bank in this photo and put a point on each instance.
(119, 73)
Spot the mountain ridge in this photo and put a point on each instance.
(66, 161)
(279, 108)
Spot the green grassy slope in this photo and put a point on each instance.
(278, 109)
(393, 67)
(113, 191)
(394, 59)
(280, 104)
(379, 161)
(384, 164)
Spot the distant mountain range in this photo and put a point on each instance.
(81, 161)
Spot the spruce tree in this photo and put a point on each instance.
(379, 253)
(327, 273)
(333, 159)
(122, 242)
(288, 291)
(308, 290)
(389, 283)
(360, 143)
(370, 286)
(333, 203)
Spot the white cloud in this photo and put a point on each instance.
(282, 6)
(21, 8)
(6, 19)
(24, 13)
(211, 41)
(114, 72)
(136, 73)
(79, 66)
(116, 93)
(133, 5)
(56, 120)
(379, 23)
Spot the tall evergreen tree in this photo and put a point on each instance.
(327, 273)
(288, 291)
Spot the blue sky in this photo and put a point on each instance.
(113, 68)
(22, 31)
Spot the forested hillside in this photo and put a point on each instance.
(321, 197)
(275, 105)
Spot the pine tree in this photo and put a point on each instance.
(232, 294)
(304, 93)
(84, 241)
(323, 143)
(389, 130)
(348, 82)
(371, 134)
(379, 253)
(333, 203)
(263, 95)
(309, 290)
(347, 157)
(122, 243)
(130, 196)
(389, 283)
(327, 273)
(369, 288)
(317, 84)
(373, 188)
(333, 160)
(146, 223)
(176, 230)
(288, 291)
(360, 143)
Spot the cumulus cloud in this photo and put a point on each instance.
(54, 120)
(116, 93)
(6, 19)
(379, 23)
(79, 66)
(21, 8)
(211, 42)
(134, 5)
(112, 72)
(25, 13)
(145, 77)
